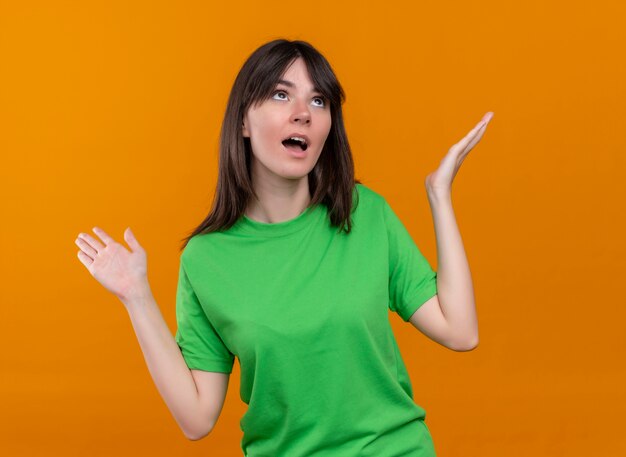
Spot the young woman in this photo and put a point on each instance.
(293, 273)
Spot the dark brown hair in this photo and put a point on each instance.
(331, 182)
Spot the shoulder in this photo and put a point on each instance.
(369, 206)
(192, 245)
(196, 249)
(376, 206)
(368, 196)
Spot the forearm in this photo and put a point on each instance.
(165, 362)
(454, 281)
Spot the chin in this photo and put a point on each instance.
(294, 175)
(293, 169)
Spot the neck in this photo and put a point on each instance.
(279, 201)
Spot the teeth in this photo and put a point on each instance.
(297, 138)
(302, 142)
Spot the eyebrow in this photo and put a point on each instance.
(290, 84)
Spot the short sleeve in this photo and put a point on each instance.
(412, 281)
(201, 346)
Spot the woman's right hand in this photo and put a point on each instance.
(120, 271)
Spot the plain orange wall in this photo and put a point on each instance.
(110, 115)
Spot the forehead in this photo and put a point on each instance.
(297, 76)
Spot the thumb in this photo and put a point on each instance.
(129, 236)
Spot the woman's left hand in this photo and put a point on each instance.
(440, 181)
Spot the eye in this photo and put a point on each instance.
(322, 101)
(279, 92)
(321, 104)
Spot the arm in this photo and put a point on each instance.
(195, 398)
(450, 316)
(454, 280)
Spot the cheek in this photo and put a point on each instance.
(265, 129)
(326, 132)
(266, 143)
(327, 122)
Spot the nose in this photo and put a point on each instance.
(301, 112)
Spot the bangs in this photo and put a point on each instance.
(267, 75)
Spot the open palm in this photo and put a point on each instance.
(441, 179)
(119, 270)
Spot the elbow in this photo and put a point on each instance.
(194, 437)
(465, 345)
(197, 435)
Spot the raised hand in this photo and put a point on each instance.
(120, 271)
(440, 181)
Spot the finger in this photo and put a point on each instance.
(476, 130)
(129, 236)
(460, 154)
(87, 249)
(95, 244)
(470, 140)
(487, 117)
(476, 139)
(484, 121)
(103, 235)
(477, 127)
(85, 259)
(462, 145)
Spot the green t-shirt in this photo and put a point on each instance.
(304, 308)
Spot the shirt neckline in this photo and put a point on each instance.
(305, 219)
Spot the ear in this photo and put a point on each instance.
(246, 134)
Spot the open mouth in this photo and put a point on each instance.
(295, 143)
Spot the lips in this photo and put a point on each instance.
(297, 140)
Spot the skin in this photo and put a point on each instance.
(194, 397)
(449, 317)
(280, 179)
(282, 185)
(440, 181)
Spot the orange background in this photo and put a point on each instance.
(110, 115)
